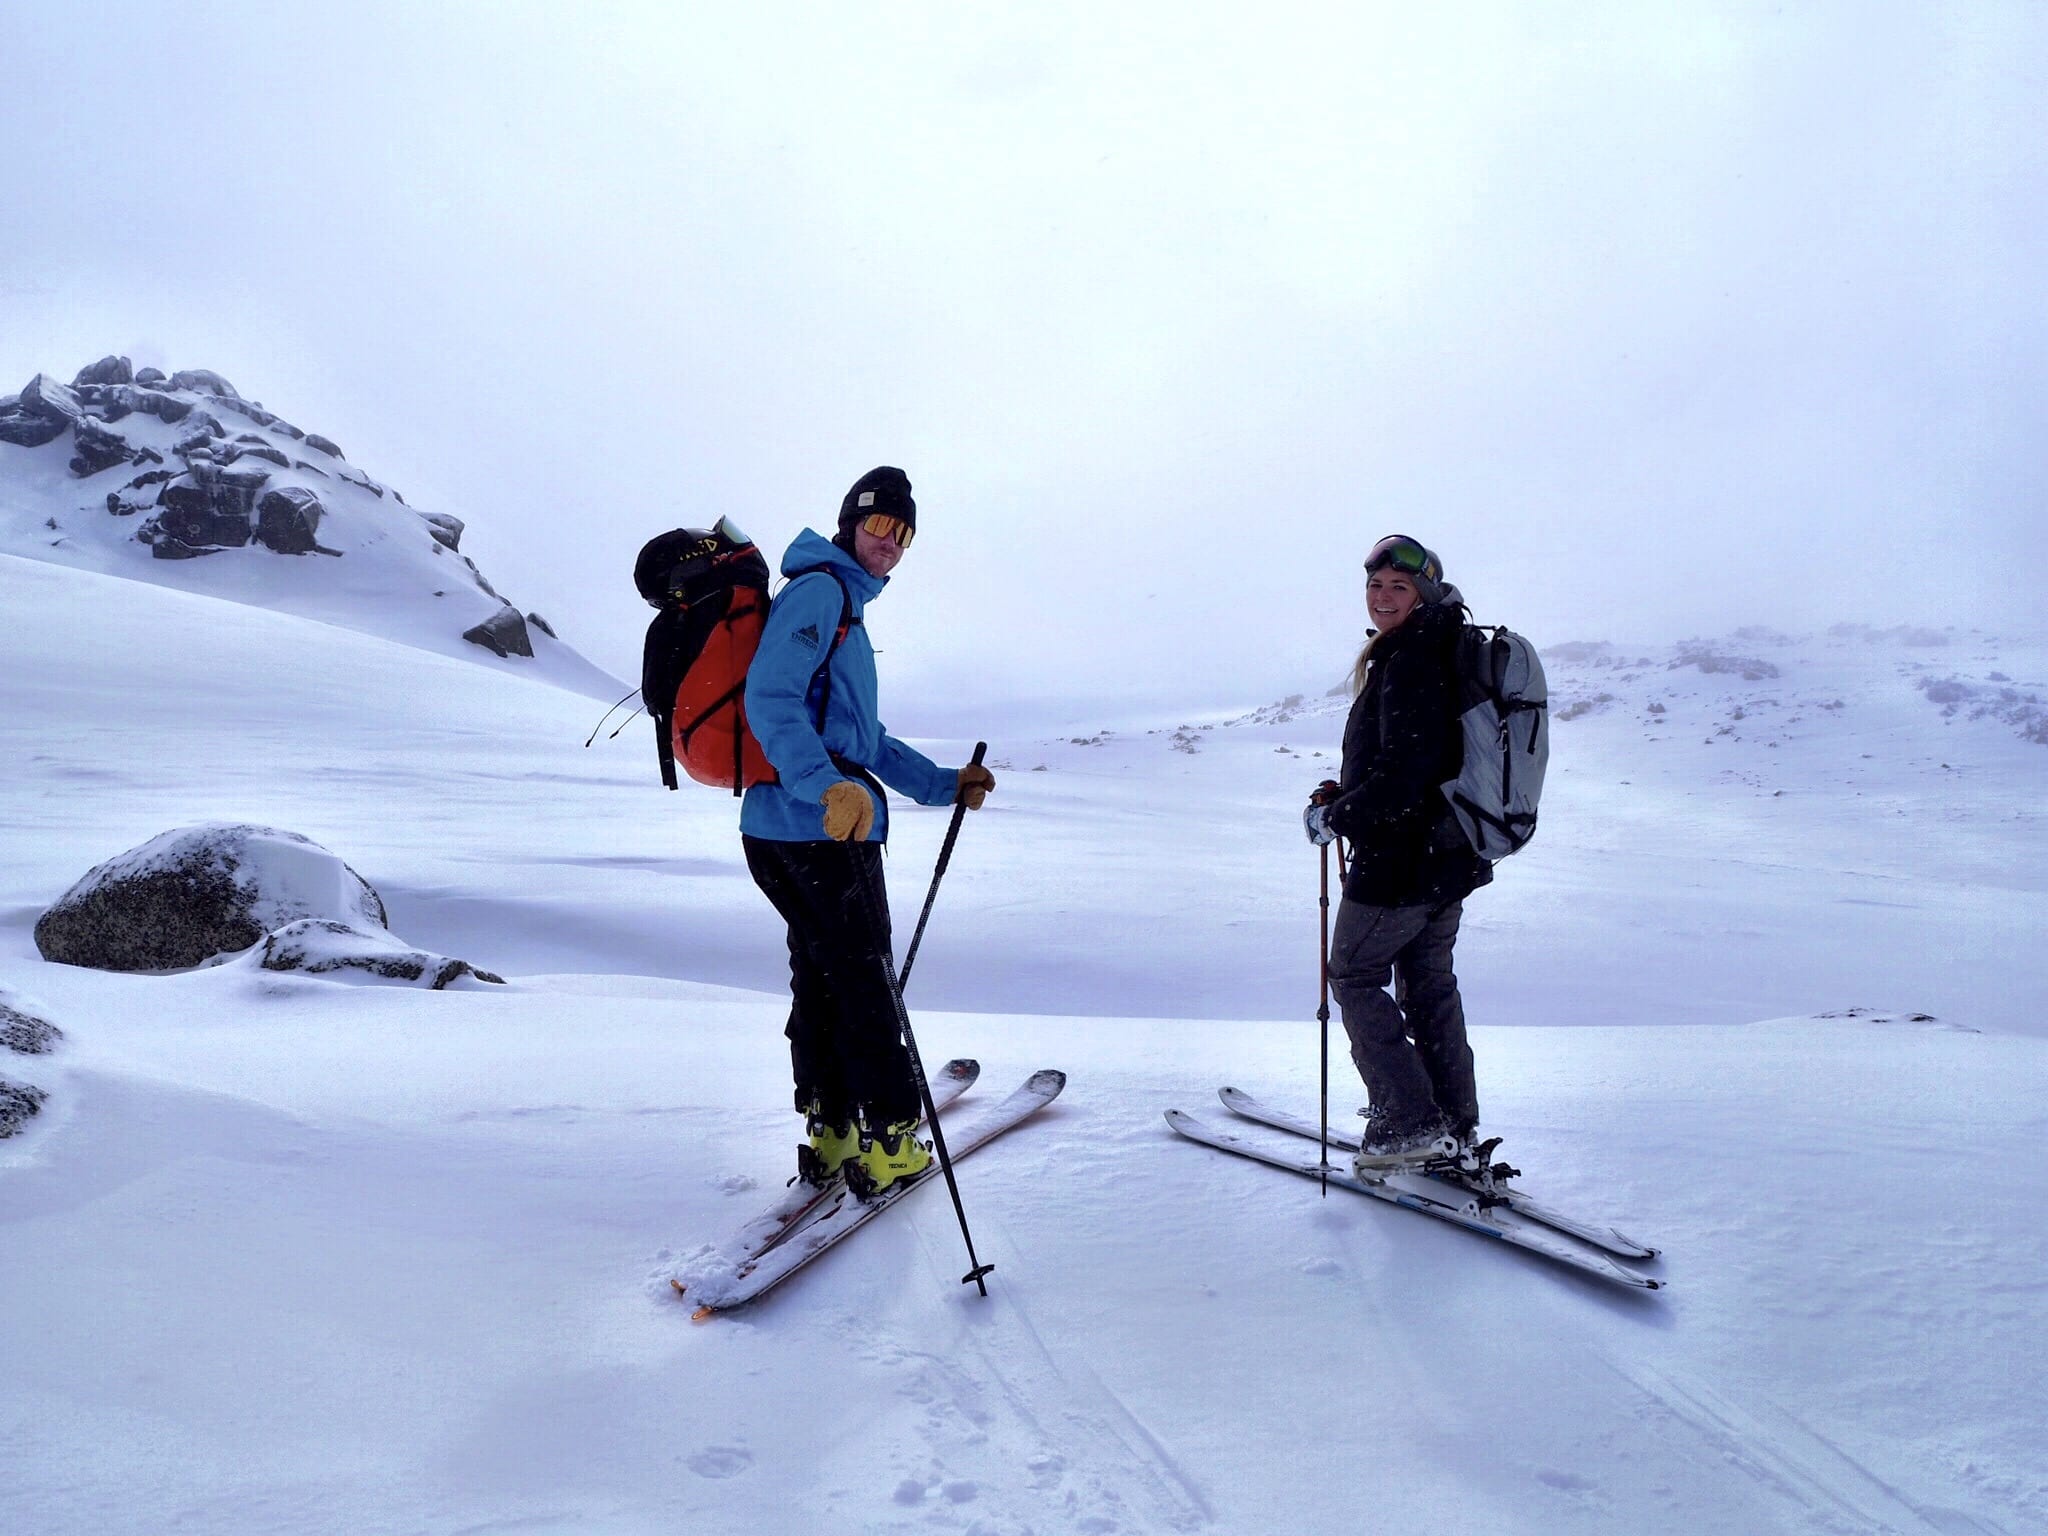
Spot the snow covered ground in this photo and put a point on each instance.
(286, 1253)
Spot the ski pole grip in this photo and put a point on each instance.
(980, 751)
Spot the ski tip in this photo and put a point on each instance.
(961, 1068)
(703, 1314)
(1048, 1080)
(680, 1288)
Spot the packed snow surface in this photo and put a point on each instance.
(298, 1253)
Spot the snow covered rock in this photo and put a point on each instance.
(25, 1033)
(288, 521)
(194, 894)
(204, 380)
(321, 946)
(19, 1103)
(108, 370)
(97, 448)
(445, 530)
(43, 412)
(504, 633)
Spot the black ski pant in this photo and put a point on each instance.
(846, 1046)
(1409, 1048)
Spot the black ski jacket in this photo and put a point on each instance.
(1401, 741)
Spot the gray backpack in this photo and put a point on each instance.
(1504, 711)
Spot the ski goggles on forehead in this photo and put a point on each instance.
(1401, 553)
(883, 526)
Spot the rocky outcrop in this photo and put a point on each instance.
(230, 475)
(197, 893)
(207, 508)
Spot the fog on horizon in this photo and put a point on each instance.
(1652, 324)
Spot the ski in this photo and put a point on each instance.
(800, 1199)
(1622, 1246)
(1446, 1202)
(839, 1214)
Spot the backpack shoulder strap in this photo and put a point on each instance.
(847, 620)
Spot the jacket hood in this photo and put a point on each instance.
(811, 549)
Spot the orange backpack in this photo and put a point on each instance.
(709, 588)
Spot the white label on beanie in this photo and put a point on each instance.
(867, 499)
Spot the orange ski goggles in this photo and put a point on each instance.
(883, 526)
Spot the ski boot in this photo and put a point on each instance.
(820, 1161)
(886, 1158)
(1386, 1147)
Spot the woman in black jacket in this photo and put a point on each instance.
(1411, 867)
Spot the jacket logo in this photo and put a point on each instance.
(808, 635)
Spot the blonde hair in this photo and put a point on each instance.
(1363, 666)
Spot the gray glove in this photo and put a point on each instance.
(1315, 821)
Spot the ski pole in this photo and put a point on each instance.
(977, 1269)
(1323, 1016)
(939, 873)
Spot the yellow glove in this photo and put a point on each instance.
(849, 812)
(975, 783)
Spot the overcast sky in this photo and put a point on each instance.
(1653, 320)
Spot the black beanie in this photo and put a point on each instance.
(883, 490)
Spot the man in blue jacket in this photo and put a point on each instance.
(814, 837)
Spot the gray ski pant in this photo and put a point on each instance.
(1410, 1047)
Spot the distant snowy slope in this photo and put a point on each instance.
(182, 482)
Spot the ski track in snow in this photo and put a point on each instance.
(1793, 1461)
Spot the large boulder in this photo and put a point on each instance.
(194, 894)
(26, 429)
(97, 448)
(204, 380)
(502, 634)
(445, 530)
(168, 409)
(44, 396)
(288, 521)
(43, 412)
(108, 370)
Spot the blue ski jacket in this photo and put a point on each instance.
(782, 704)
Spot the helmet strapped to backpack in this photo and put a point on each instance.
(709, 587)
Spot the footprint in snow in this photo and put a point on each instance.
(721, 1461)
